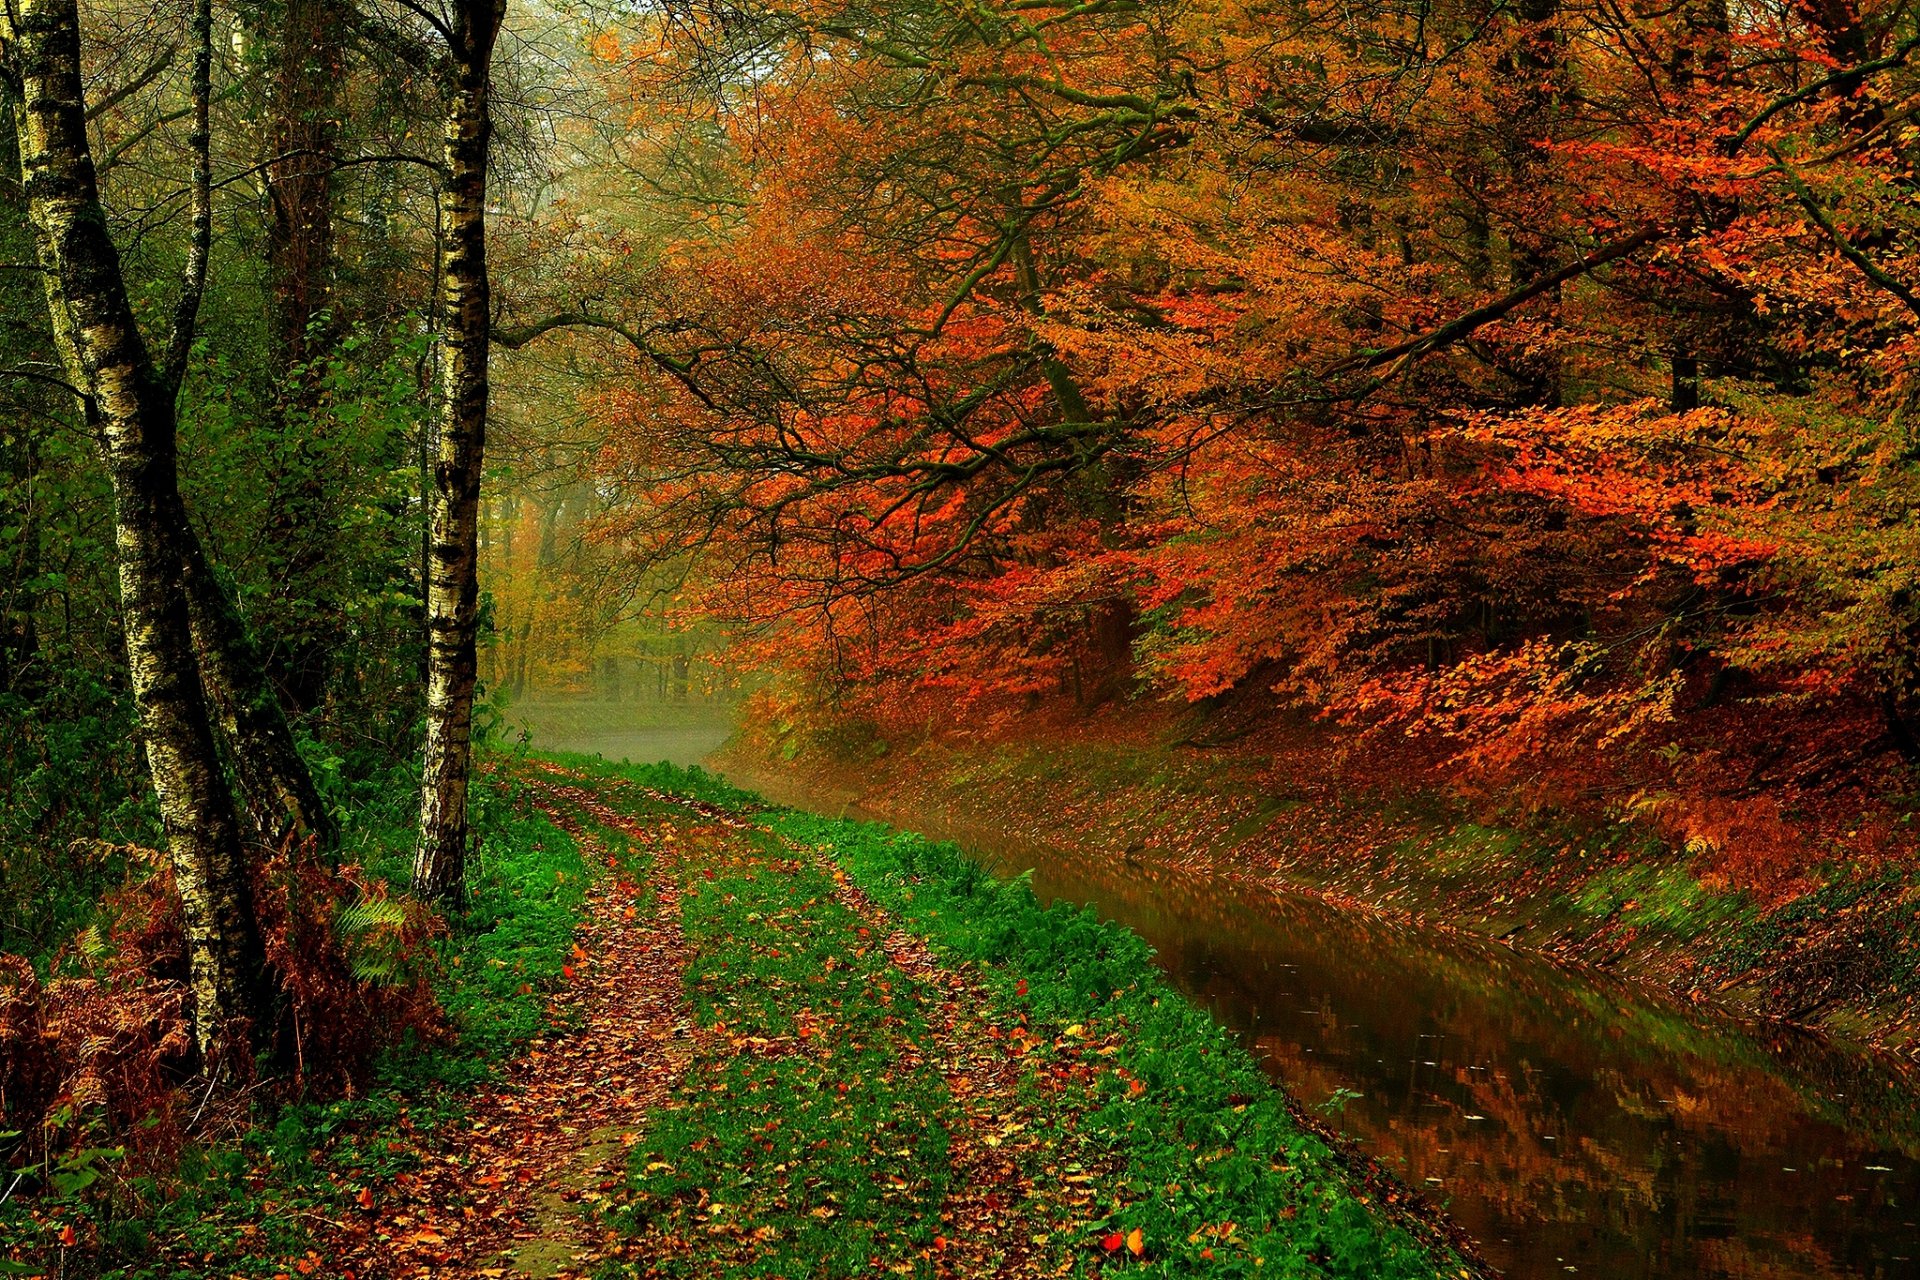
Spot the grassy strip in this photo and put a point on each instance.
(816, 1142)
(1215, 1174)
(815, 1131)
(242, 1206)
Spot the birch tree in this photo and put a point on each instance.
(128, 398)
(469, 29)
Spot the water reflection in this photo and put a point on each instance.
(1571, 1123)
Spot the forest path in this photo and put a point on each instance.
(509, 1194)
(1003, 1138)
(904, 1120)
(753, 1067)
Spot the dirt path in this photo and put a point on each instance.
(1019, 1177)
(508, 1197)
(852, 1100)
(998, 1219)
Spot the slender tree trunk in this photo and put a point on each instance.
(1067, 396)
(307, 82)
(129, 402)
(19, 558)
(1534, 67)
(28, 405)
(280, 793)
(453, 501)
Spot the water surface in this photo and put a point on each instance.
(681, 733)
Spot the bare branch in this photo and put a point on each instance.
(1462, 325)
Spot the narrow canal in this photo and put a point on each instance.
(1572, 1123)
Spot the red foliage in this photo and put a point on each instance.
(1533, 390)
(344, 994)
(95, 1054)
(100, 1053)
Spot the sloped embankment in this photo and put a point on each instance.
(1282, 807)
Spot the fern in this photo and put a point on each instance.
(367, 915)
(359, 926)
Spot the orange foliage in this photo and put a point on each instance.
(1529, 382)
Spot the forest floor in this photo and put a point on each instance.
(1279, 803)
(781, 1046)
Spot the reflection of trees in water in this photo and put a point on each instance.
(1615, 1122)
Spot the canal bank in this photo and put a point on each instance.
(1571, 1121)
(1836, 947)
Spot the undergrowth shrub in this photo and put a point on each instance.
(353, 968)
(96, 1059)
(93, 1056)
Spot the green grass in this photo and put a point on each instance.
(1665, 897)
(828, 1142)
(244, 1202)
(1198, 1135)
(832, 1153)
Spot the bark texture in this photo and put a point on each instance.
(280, 794)
(453, 498)
(308, 74)
(129, 403)
(302, 145)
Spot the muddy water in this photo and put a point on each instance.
(1573, 1124)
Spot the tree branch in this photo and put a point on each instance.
(1462, 325)
(135, 85)
(681, 371)
(1872, 270)
(1900, 54)
(193, 284)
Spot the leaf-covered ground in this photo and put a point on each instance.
(789, 1048)
(503, 1190)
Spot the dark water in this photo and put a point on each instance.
(1574, 1125)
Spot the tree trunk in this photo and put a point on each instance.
(453, 501)
(130, 405)
(300, 271)
(19, 556)
(28, 405)
(307, 80)
(279, 789)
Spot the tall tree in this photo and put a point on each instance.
(23, 414)
(470, 29)
(129, 398)
(306, 78)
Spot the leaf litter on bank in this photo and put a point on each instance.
(511, 1191)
